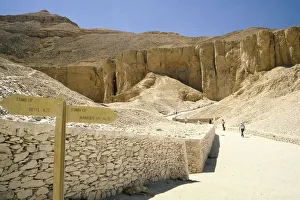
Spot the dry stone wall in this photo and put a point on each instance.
(198, 149)
(97, 164)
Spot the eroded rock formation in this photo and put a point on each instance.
(215, 68)
(77, 57)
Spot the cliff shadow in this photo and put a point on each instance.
(155, 187)
(211, 162)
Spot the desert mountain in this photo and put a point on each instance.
(117, 60)
(252, 73)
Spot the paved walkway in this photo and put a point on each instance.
(247, 168)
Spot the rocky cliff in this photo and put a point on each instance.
(104, 64)
(215, 68)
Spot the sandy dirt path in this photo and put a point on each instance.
(247, 168)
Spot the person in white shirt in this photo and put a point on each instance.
(242, 128)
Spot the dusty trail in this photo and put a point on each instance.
(247, 168)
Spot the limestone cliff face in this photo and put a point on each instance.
(215, 68)
(130, 69)
(93, 79)
(179, 63)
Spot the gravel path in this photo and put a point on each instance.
(247, 168)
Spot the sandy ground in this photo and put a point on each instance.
(246, 168)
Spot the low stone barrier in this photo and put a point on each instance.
(197, 149)
(97, 164)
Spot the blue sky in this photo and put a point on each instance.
(186, 17)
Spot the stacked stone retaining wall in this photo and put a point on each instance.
(197, 149)
(97, 164)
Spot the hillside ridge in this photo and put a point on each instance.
(118, 60)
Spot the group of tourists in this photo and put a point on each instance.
(241, 127)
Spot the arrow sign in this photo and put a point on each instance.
(28, 105)
(85, 114)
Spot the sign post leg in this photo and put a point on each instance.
(59, 151)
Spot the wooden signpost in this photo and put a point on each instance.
(39, 106)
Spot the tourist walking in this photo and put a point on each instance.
(223, 124)
(242, 128)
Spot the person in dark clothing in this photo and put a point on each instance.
(223, 124)
(242, 128)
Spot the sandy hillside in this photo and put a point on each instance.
(268, 102)
(132, 116)
(162, 94)
(17, 79)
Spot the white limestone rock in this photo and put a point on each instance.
(3, 188)
(41, 197)
(10, 176)
(41, 191)
(31, 148)
(26, 179)
(76, 173)
(49, 160)
(39, 155)
(91, 196)
(110, 166)
(91, 179)
(14, 184)
(16, 140)
(3, 156)
(74, 153)
(12, 168)
(21, 156)
(33, 184)
(71, 169)
(42, 137)
(30, 172)
(44, 166)
(43, 175)
(46, 148)
(16, 146)
(82, 157)
(2, 139)
(67, 158)
(4, 148)
(31, 164)
(23, 194)
(94, 155)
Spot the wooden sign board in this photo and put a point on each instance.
(85, 114)
(38, 106)
(27, 105)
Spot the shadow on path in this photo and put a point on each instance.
(211, 162)
(155, 188)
